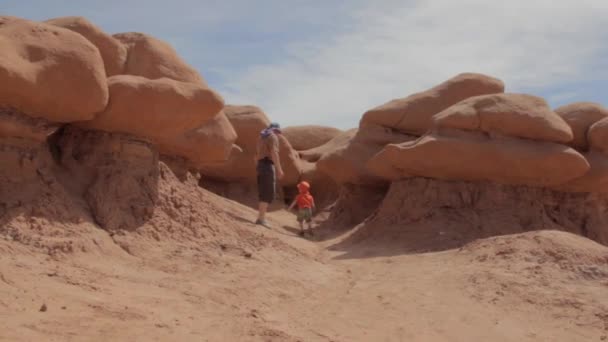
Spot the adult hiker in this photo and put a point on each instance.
(268, 169)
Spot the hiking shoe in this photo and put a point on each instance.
(262, 223)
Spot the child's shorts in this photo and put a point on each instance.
(304, 215)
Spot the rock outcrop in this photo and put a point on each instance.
(402, 120)
(422, 214)
(598, 135)
(581, 116)
(155, 109)
(476, 157)
(50, 72)
(304, 138)
(182, 119)
(113, 52)
(212, 142)
(516, 115)
(413, 114)
(248, 122)
(153, 58)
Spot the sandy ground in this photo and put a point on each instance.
(295, 289)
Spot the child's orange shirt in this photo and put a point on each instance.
(305, 200)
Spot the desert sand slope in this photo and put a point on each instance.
(270, 285)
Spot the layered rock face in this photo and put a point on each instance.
(399, 121)
(426, 212)
(506, 138)
(86, 116)
(236, 178)
(304, 138)
(484, 162)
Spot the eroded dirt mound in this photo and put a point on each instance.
(558, 272)
(419, 214)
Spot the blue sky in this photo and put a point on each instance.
(327, 62)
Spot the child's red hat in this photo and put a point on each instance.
(303, 186)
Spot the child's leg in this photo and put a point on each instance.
(309, 221)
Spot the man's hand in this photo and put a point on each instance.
(280, 173)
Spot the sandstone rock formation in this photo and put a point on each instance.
(516, 115)
(113, 52)
(182, 119)
(248, 122)
(476, 157)
(212, 142)
(339, 142)
(400, 121)
(49, 72)
(425, 214)
(580, 116)
(598, 135)
(304, 138)
(155, 108)
(153, 58)
(413, 114)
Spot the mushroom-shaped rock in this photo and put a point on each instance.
(248, 122)
(155, 109)
(153, 58)
(475, 157)
(347, 163)
(580, 116)
(210, 143)
(306, 137)
(517, 115)
(50, 72)
(113, 52)
(414, 113)
(340, 141)
(598, 136)
(595, 180)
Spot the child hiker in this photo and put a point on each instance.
(306, 204)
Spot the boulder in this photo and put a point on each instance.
(339, 142)
(306, 137)
(400, 121)
(248, 122)
(346, 162)
(155, 109)
(210, 143)
(516, 115)
(153, 58)
(50, 72)
(413, 114)
(475, 157)
(595, 180)
(597, 136)
(113, 52)
(580, 116)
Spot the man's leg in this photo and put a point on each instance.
(262, 208)
(266, 191)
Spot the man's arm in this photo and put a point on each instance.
(257, 150)
(274, 155)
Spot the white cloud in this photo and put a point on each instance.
(393, 49)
